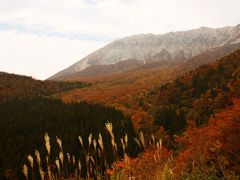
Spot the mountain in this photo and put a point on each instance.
(145, 48)
(111, 89)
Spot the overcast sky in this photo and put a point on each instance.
(41, 37)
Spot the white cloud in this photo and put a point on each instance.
(95, 19)
(120, 17)
(40, 56)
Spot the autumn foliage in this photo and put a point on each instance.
(213, 148)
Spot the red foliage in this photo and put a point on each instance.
(217, 143)
(146, 164)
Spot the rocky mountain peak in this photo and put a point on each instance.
(169, 46)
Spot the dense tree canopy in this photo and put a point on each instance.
(12, 85)
(23, 123)
(197, 94)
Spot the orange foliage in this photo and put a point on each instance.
(123, 91)
(145, 165)
(214, 144)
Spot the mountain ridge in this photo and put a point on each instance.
(179, 45)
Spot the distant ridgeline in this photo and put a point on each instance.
(23, 123)
(196, 95)
(12, 85)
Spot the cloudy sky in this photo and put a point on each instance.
(40, 37)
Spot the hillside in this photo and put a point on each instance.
(198, 117)
(207, 152)
(12, 85)
(24, 122)
(111, 89)
(173, 46)
(166, 104)
(196, 95)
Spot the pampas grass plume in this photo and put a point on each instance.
(61, 157)
(160, 144)
(141, 139)
(42, 173)
(69, 157)
(100, 141)
(47, 143)
(80, 140)
(95, 144)
(79, 166)
(59, 142)
(126, 139)
(25, 171)
(30, 159)
(37, 154)
(73, 160)
(58, 165)
(109, 127)
(90, 139)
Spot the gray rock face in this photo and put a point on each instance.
(169, 46)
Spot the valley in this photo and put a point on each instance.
(128, 110)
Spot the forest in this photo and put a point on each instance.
(197, 95)
(198, 115)
(99, 141)
(12, 85)
(24, 122)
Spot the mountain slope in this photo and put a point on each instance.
(126, 91)
(170, 46)
(12, 85)
(196, 95)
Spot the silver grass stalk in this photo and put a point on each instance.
(79, 166)
(160, 144)
(47, 159)
(61, 157)
(100, 141)
(126, 159)
(158, 156)
(90, 139)
(141, 139)
(126, 139)
(25, 171)
(109, 127)
(38, 157)
(68, 157)
(137, 141)
(58, 165)
(59, 142)
(73, 160)
(92, 160)
(99, 152)
(153, 138)
(47, 143)
(49, 173)
(87, 158)
(80, 140)
(30, 159)
(42, 173)
(115, 146)
(123, 145)
(155, 159)
(113, 142)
